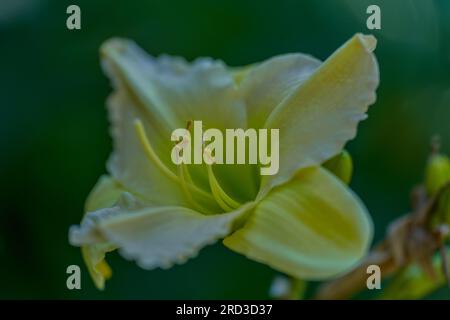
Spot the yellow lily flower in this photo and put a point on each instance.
(302, 221)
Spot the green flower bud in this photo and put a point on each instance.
(341, 165)
(437, 173)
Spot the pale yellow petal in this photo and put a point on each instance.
(323, 112)
(266, 85)
(105, 194)
(129, 162)
(94, 258)
(93, 245)
(155, 236)
(313, 227)
(173, 91)
(165, 94)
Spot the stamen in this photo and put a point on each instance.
(215, 192)
(223, 199)
(151, 154)
(187, 175)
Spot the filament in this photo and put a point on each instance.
(150, 153)
(222, 198)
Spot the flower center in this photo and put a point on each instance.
(195, 195)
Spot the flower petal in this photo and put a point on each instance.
(155, 236)
(165, 94)
(311, 228)
(264, 86)
(173, 91)
(94, 258)
(323, 112)
(129, 163)
(105, 194)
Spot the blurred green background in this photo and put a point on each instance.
(54, 133)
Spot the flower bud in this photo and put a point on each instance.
(341, 166)
(437, 173)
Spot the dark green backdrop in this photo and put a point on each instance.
(54, 134)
